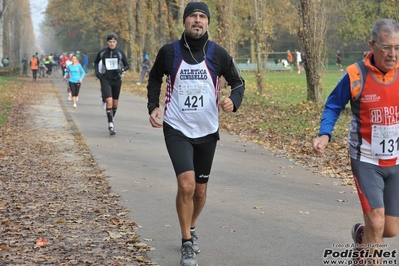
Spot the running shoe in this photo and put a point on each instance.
(195, 241)
(103, 105)
(69, 97)
(357, 233)
(75, 105)
(357, 236)
(188, 257)
(111, 130)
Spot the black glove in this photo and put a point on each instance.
(99, 75)
(120, 70)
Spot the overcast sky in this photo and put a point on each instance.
(37, 7)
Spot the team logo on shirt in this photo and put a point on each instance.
(384, 115)
(193, 74)
(369, 98)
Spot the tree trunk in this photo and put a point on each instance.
(3, 8)
(261, 30)
(252, 50)
(131, 26)
(314, 17)
(314, 86)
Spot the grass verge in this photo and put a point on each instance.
(7, 96)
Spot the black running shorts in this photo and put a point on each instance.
(111, 88)
(187, 155)
(75, 88)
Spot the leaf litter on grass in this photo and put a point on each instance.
(56, 207)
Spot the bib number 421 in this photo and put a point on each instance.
(194, 101)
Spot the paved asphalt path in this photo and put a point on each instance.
(260, 210)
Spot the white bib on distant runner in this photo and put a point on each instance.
(192, 108)
(111, 63)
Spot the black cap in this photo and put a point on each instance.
(196, 7)
(112, 36)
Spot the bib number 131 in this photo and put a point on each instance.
(385, 141)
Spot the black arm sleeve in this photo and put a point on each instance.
(232, 76)
(237, 84)
(96, 62)
(163, 62)
(125, 62)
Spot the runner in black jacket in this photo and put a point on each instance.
(193, 66)
(114, 63)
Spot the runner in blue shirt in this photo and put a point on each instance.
(77, 73)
